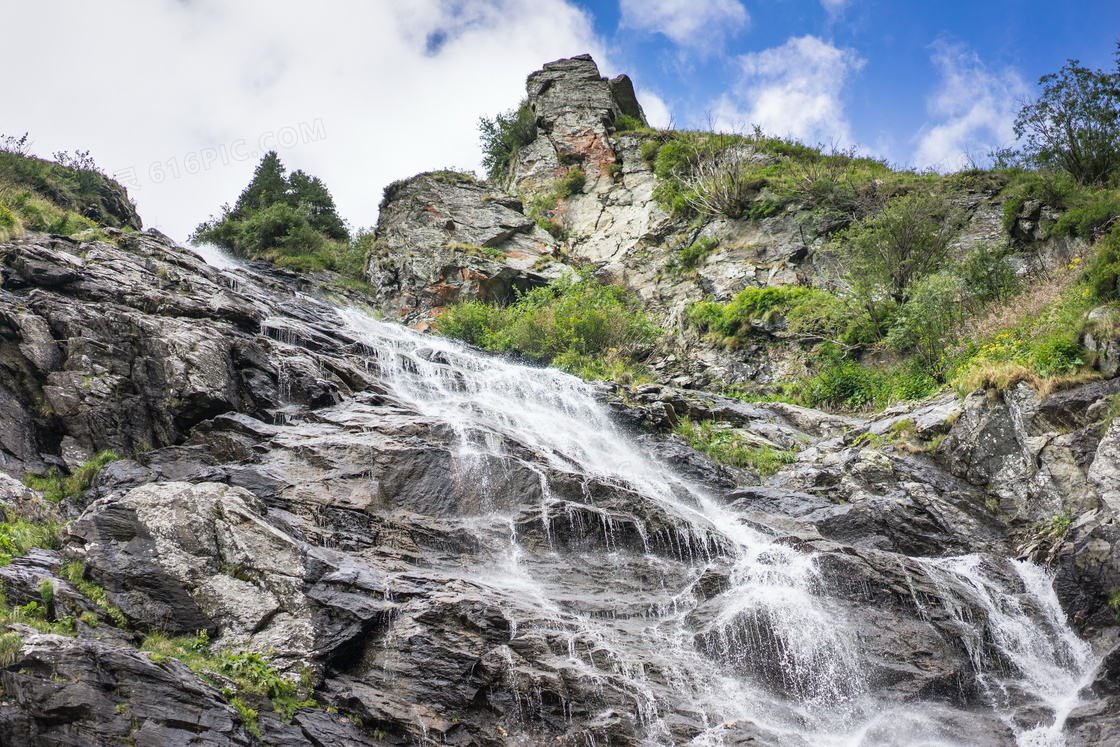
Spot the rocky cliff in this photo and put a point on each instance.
(325, 529)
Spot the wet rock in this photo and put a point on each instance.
(61, 690)
(182, 558)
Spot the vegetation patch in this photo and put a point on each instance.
(575, 323)
(55, 487)
(626, 123)
(503, 136)
(75, 573)
(251, 671)
(18, 537)
(289, 220)
(734, 447)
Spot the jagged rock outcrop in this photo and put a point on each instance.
(443, 238)
(574, 108)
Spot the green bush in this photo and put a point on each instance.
(929, 323)
(1103, 273)
(626, 123)
(10, 225)
(17, 537)
(909, 239)
(571, 183)
(56, 488)
(730, 446)
(568, 323)
(1085, 220)
(849, 385)
(503, 136)
(474, 322)
(1061, 354)
(809, 312)
(987, 275)
(1011, 209)
(695, 252)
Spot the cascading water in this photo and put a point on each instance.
(770, 644)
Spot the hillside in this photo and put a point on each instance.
(845, 471)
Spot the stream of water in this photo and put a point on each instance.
(814, 686)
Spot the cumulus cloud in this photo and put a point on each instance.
(699, 26)
(793, 90)
(656, 110)
(972, 110)
(186, 96)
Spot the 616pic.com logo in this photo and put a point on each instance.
(239, 150)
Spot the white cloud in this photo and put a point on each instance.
(972, 110)
(700, 26)
(793, 90)
(363, 92)
(835, 7)
(656, 110)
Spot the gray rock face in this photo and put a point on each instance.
(64, 691)
(575, 108)
(443, 238)
(449, 577)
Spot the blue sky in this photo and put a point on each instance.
(917, 83)
(180, 98)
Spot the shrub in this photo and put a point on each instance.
(1103, 273)
(10, 225)
(571, 183)
(474, 322)
(1087, 220)
(726, 186)
(809, 312)
(10, 644)
(503, 136)
(929, 323)
(17, 537)
(902, 244)
(625, 123)
(733, 447)
(987, 275)
(849, 385)
(698, 250)
(567, 323)
(56, 488)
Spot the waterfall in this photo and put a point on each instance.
(772, 645)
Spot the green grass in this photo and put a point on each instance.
(810, 314)
(19, 537)
(697, 251)
(48, 196)
(626, 123)
(694, 166)
(251, 671)
(730, 446)
(56, 488)
(74, 572)
(35, 614)
(473, 250)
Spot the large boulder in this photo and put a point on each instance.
(442, 237)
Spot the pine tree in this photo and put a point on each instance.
(310, 196)
(267, 187)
